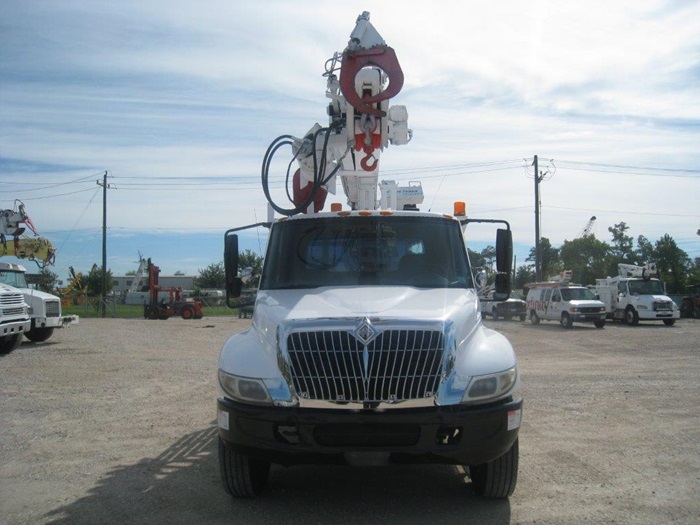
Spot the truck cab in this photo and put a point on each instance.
(14, 318)
(45, 308)
(366, 347)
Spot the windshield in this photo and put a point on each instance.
(575, 294)
(15, 279)
(642, 287)
(351, 251)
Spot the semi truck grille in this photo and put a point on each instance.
(397, 365)
(662, 305)
(53, 308)
(12, 311)
(11, 299)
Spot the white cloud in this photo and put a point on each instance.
(186, 89)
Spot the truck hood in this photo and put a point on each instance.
(387, 302)
(35, 297)
(587, 303)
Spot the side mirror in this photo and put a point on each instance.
(233, 282)
(504, 251)
(504, 262)
(503, 286)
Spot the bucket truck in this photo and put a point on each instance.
(44, 308)
(636, 294)
(366, 345)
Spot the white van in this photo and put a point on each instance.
(565, 303)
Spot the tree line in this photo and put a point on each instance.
(590, 258)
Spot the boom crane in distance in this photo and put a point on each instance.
(44, 308)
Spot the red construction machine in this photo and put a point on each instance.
(160, 308)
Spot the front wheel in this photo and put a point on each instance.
(497, 478)
(669, 322)
(242, 476)
(566, 320)
(631, 316)
(523, 317)
(9, 343)
(39, 335)
(534, 318)
(600, 323)
(187, 312)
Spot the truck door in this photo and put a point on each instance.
(546, 303)
(555, 305)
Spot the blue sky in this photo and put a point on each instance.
(178, 101)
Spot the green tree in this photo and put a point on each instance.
(549, 258)
(645, 250)
(621, 250)
(586, 257)
(93, 281)
(523, 275)
(47, 280)
(249, 259)
(477, 260)
(673, 264)
(213, 276)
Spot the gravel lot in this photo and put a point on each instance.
(112, 421)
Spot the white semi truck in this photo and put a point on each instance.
(366, 345)
(14, 318)
(44, 308)
(636, 294)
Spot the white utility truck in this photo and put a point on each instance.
(45, 309)
(636, 294)
(14, 318)
(366, 345)
(560, 300)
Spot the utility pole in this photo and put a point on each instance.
(103, 302)
(538, 255)
(539, 177)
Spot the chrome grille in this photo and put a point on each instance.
(12, 311)
(662, 305)
(53, 308)
(590, 310)
(11, 299)
(397, 365)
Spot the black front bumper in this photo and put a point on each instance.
(461, 435)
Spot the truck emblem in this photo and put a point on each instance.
(365, 332)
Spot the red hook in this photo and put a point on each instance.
(365, 162)
(381, 56)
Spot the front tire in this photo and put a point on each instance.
(600, 323)
(187, 313)
(669, 322)
(534, 318)
(9, 343)
(523, 317)
(566, 320)
(39, 335)
(241, 475)
(631, 316)
(497, 478)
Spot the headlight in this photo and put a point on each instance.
(244, 389)
(492, 386)
(573, 309)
